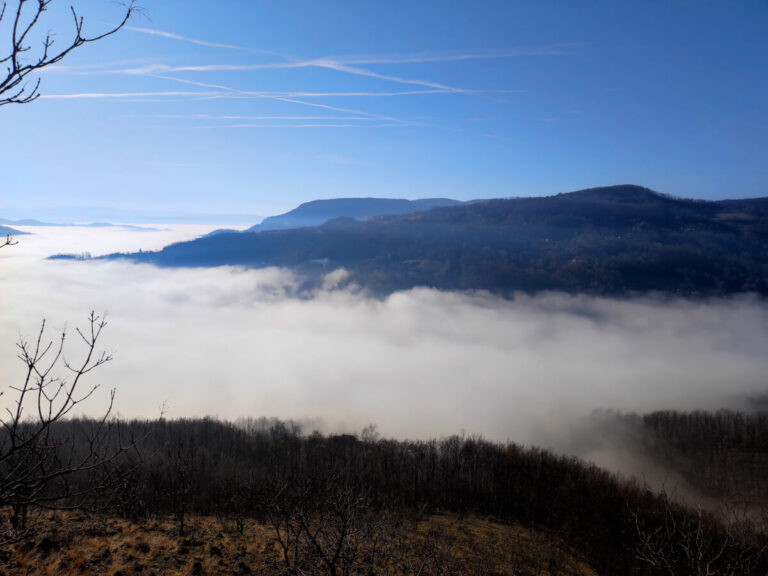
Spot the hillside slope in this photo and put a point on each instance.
(318, 212)
(612, 240)
(8, 231)
(442, 544)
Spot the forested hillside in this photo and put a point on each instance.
(616, 240)
(723, 454)
(317, 212)
(294, 483)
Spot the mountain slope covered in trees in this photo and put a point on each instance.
(612, 240)
(300, 484)
(318, 212)
(723, 454)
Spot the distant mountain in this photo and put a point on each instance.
(8, 231)
(31, 222)
(127, 227)
(63, 215)
(24, 222)
(221, 231)
(318, 212)
(613, 240)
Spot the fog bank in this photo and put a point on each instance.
(231, 342)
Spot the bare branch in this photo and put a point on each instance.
(15, 87)
(38, 458)
(9, 241)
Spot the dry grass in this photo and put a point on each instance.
(488, 548)
(75, 543)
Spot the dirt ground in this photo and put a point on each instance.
(77, 543)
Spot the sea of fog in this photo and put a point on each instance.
(231, 342)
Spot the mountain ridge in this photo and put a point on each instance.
(8, 231)
(317, 212)
(612, 240)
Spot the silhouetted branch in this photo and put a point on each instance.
(20, 63)
(39, 455)
(9, 241)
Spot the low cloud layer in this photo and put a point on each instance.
(231, 342)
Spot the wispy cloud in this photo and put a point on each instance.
(324, 63)
(309, 94)
(344, 64)
(353, 65)
(400, 93)
(95, 68)
(126, 95)
(172, 36)
(223, 94)
(315, 125)
(340, 67)
(458, 55)
(560, 49)
(377, 94)
(150, 69)
(269, 96)
(257, 118)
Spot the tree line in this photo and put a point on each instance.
(724, 454)
(274, 472)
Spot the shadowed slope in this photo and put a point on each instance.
(612, 240)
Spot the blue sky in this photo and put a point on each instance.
(253, 107)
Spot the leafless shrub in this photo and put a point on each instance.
(43, 462)
(700, 544)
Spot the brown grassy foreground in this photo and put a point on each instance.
(75, 543)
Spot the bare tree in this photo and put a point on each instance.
(700, 544)
(22, 61)
(9, 241)
(180, 453)
(46, 459)
(338, 535)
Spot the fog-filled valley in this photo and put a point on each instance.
(232, 342)
(227, 369)
(383, 289)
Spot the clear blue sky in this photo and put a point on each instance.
(251, 106)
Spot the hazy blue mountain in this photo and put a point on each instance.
(129, 227)
(318, 212)
(8, 231)
(65, 215)
(612, 240)
(32, 222)
(24, 222)
(221, 231)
